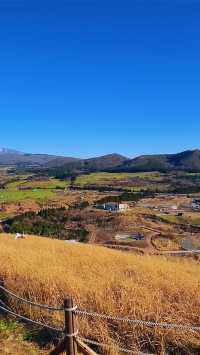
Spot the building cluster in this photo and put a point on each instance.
(113, 206)
(196, 203)
(130, 236)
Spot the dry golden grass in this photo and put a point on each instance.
(169, 242)
(111, 282)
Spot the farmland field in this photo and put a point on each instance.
(16, 196)
(37, 190)
(128, 181)
(102, 178)
(41, 184)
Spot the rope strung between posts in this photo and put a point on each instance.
(72, 334)
(30, 320)
(137, 321)
(4, 305)
(106, 317)
(72, 309)
(59, 309)
(124, 350)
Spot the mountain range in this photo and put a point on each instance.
(188, 160)
(16, 158)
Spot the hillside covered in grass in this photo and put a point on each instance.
(110, 282)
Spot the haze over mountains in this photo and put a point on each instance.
(187, 160)
(14, 157)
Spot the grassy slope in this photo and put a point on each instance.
(111, 282)
(102, 178)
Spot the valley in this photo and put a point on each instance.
(129, 238)
(76, 205)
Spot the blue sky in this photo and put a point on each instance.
(90, 77)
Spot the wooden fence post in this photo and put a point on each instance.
(69, 327)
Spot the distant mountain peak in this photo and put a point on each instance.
(4, 150)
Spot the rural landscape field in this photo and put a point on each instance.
(100, 177)
(124, 244)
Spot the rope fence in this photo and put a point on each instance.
(137, 321)
(71, 335)
(29, 302)
(30, 320)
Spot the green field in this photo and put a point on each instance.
(40, 190)
(171, 219)
(134, 188)
(41, 184)
(17, 196)
(104, 178)
(193, 174)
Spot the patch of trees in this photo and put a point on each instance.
(64, 171)
(127, 196)
(80, 234)
(186, 189)
(50, 223)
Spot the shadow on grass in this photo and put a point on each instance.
(41, 336)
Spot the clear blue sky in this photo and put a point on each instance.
(90, 77)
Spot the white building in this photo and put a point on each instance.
(196, 203)
(123, 206)
(113, 206)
